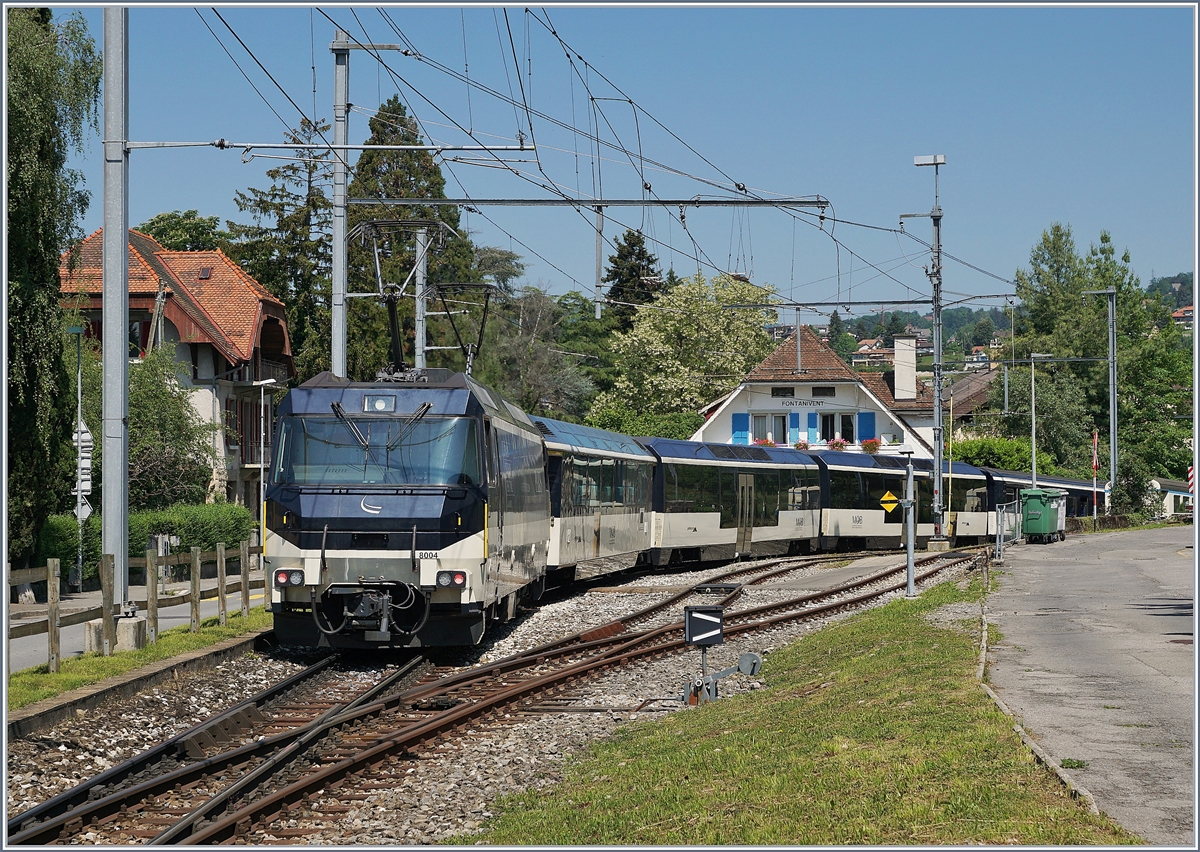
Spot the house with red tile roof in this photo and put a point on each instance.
(815, 396)
(224, 327)
(1185, 316)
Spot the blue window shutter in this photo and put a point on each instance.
(866, 425)
(741, 428)
(793, 426)
(813, 429)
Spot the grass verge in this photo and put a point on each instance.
(872, 731)
(37, 683)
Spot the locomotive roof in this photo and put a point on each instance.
(450, 393)
(671, 448)
(576, 437)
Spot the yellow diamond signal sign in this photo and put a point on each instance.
(889, 501)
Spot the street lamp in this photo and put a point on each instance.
(909, 526)
(1033, 413)
(262, 454)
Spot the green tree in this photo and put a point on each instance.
(499, 265)
(172, 450)
(895, 325)
(1064, 424)
(287, 248)
(588, 339)
(685, 349)
(531, 368)
(1002, 453)
(983, 332)
(451, 259)
(186, 230)
(53, 83)
(633, 278)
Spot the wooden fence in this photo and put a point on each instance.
(54, 621)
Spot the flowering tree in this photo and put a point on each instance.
(685, 349)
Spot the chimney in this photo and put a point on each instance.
(905, 386)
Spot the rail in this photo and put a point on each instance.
(195, 559)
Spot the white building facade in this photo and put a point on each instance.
(812, 397)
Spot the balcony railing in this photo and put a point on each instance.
(255, 453)
(272, 370)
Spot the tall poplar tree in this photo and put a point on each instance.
(53, 76)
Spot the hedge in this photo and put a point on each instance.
(202, 526)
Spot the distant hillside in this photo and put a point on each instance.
(1176, 290)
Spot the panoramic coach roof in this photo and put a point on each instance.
(575, 437)
(670, 448)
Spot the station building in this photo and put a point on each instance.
(805, 394)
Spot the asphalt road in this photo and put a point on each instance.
(1097, 659)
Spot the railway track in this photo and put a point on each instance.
(320, 768)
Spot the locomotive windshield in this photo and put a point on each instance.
(346, 450)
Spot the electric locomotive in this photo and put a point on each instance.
(402, 514)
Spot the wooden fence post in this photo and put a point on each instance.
(151, 594)
(245, 555)
(108, 627)
(221, 615)
(52, 635)
(195, 590)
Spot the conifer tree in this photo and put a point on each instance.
(633, 277)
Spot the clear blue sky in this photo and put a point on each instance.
(1085, 116)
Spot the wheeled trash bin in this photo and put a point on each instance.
(1043, 514)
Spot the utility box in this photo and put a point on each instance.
(1043, 514)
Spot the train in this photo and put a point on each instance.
(415, 513)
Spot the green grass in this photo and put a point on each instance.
(30, 685)
(871, 731)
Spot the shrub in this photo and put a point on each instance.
(202, 526)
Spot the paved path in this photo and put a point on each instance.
(29, 651)
(1097, 659)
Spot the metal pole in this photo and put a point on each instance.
(938, 426)
(909, 530)
(262, 467)
(1033, 420)
(422, 267)
(599, 254)
(76, 577)
(341, 99)
(798, 341)
(1112, 386)
(115, 312)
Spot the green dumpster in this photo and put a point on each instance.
(1043, 514)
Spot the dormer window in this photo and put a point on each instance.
(205, 273)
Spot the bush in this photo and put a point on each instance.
(202, 526)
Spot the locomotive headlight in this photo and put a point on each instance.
(451, 579)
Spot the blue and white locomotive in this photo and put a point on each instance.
(402, 514)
